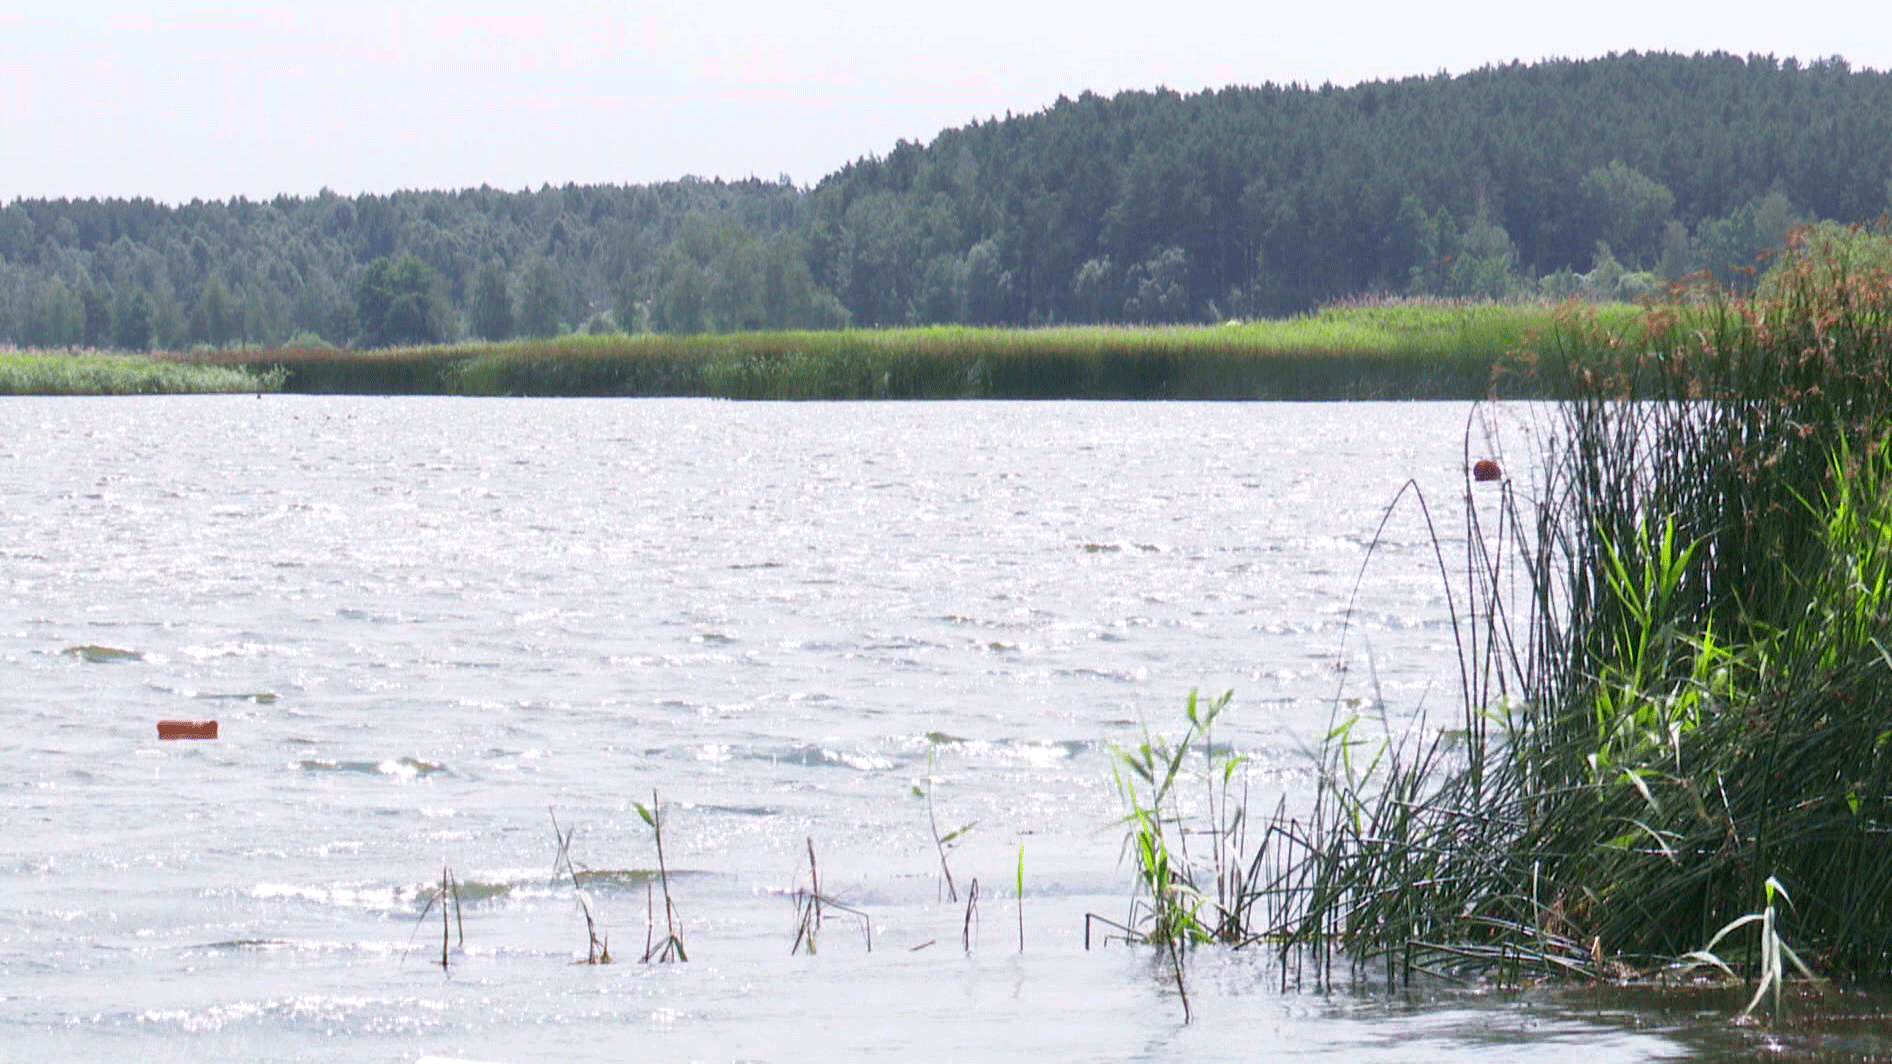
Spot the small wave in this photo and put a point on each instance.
(472, 891)
(350, 613)
(616, 878)
(192, 1021)
(811, 756)
(1136, 675)
(103, 655)
(386, 897)
(232, 649)
(677, 661)
(406, 768)
(388, 1015)
(898, 642)
(738, 810)
(321, 946)
(822, 646)
(377, 898)
(260, 944)
(1032, 752)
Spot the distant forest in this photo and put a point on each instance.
(1600, 177)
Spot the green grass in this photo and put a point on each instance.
(32, 373)
(1398, 350)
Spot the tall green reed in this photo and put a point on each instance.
(1184, 899)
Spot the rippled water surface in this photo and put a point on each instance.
(426, 626)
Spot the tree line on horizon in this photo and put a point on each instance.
(1605, 178)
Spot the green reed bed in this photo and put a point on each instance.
(37, 373)
(1673, 636)
(329, 370)
(1402, 350)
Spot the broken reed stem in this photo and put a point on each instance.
(804, 925)
(447, 893)
(805, 901)
(446, 878)
(808, 906)
(972, 914)
(1176, 965)
(814, 883)
(650, 921)
(597, 948)
(808, 910)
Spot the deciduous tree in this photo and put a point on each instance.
(400, 301)
(541, 300)
(492, 302)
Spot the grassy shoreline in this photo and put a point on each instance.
(91, 373)
(1419, 350)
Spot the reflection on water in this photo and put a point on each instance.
(422, 623)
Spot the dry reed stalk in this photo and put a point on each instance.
(597, 946)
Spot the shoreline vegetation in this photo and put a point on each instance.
(96, 373)
(1674, 631)
(1389, 349)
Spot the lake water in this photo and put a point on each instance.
(428, 625)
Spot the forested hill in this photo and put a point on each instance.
(1598, 176)
(1152, 206)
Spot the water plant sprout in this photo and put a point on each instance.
(943, 844)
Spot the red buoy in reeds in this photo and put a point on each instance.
(187, 729)
(1485, 469)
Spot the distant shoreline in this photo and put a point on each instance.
(1408, 350)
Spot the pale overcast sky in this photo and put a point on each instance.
(208, 99)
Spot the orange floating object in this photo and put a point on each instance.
(187, 729)
(1486, 469)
